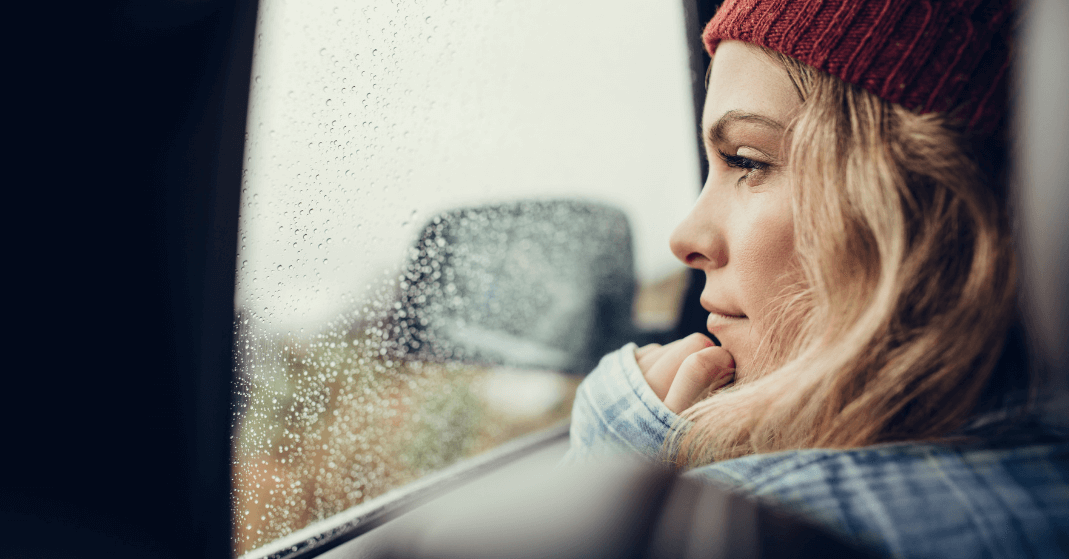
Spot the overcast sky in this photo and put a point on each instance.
(366, 119)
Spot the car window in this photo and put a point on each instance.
(442, 206)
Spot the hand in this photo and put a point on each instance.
(683, 371)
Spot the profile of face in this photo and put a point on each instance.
(740, 232)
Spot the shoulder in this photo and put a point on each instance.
(916, 500)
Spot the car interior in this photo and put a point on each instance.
(150, 415)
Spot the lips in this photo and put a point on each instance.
(719, 321)
(721, 317)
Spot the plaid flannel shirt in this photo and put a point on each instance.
(1003, 497)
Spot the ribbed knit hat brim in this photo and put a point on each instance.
(929, 56)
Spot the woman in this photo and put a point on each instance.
(860, 282)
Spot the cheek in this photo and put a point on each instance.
(765, 257)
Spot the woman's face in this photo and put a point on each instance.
(740, 231)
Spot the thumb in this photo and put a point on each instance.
(704, 370)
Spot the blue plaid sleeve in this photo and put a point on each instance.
(921, 500)
(992, 498)
(616, 412)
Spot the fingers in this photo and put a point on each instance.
(644, 353)
(683, 371)
(650, 356)
(700, 372)
(663, 369)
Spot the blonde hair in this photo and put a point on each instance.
(905, 289)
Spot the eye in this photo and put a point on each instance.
(753, 167)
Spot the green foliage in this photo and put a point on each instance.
(449, 423)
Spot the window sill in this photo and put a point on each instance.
(325, 535)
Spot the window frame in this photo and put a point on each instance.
(356, 521)
(360, 519)
(173, 157)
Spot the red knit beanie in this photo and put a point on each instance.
(926, 55)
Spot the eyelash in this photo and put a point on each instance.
(740, 162)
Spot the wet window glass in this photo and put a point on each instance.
(450, 210)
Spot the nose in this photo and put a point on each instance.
(698, 241)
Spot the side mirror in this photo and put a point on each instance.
(540, 284)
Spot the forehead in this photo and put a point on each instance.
(742, 78)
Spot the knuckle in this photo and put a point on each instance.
(694, 370)
(719, 357)
(693, 361)
(698, 340)
(708, 361)
(698, 360)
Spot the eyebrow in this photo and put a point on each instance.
(717, 131)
